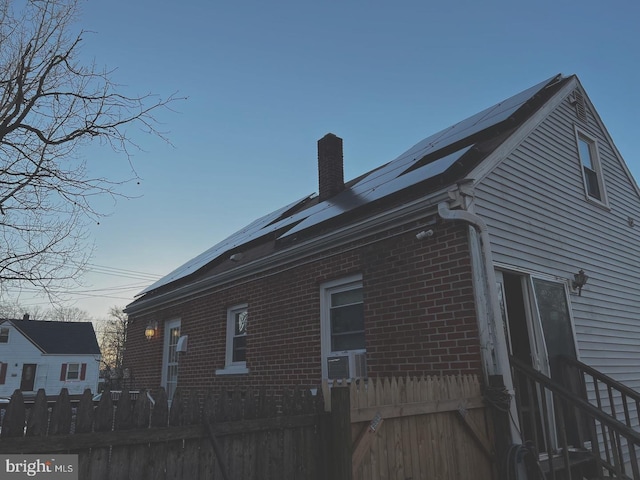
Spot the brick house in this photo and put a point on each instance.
(461, 251)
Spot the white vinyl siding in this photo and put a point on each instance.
(534, 204)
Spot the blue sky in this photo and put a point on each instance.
(266, 80)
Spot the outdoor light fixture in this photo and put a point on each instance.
(151, 330)
(579, 281)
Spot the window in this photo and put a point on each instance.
(591, 170)
(170, 357)
(73, 371)
(3, 373)
(236, 353)
(343, 333)
(4, 335)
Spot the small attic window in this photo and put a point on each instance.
(577, 100)
(4, 335)
(591, 168)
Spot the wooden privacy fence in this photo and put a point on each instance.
(240, 435)
(420, 428)
(432, 427)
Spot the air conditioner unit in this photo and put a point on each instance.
(346, 365)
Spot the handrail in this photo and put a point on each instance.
(631, 393)
(578, 402)
(608, 454)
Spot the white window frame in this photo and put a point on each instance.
(170, 356)
(76, 371)
(231, 367)
(351, 282)
(596, 165)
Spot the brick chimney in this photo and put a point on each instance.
(330, 171)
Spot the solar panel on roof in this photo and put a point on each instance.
(242, 236)
(381, 182)
(383, 185)
(474, 124)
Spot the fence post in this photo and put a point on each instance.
(501, 424)
(341, 434)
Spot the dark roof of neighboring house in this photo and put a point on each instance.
(75, 338)
(429, 166)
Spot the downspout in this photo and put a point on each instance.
(490, 327)
(492, 338)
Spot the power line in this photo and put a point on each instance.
(121, 272)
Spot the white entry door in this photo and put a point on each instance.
(170, 357)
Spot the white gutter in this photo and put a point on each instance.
(493, 343)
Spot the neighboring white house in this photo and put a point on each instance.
(49, 355)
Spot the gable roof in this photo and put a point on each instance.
(433, 164)
(72, 338)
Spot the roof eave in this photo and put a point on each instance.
(348, 233)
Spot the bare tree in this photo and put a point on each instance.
(67, 314)
(51, 105)
(15, 311)
(61, 313)
(112, 335)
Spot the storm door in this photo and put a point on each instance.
(538, 329)
(555, 321)
(170, 358)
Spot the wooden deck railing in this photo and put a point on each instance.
(576, 422)
(611, 396)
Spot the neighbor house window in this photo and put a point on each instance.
(73, 371)
(591, 169)
(343, 329)
(170, 357)
(4, 335)
(236, 348)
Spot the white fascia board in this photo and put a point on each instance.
(516, 138)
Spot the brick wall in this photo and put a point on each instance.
(419, 316)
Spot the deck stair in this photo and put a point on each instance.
(578, 439)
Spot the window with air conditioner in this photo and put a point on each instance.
(343, 331)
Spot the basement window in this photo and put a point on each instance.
(591, 168)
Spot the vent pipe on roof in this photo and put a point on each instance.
(330, 167)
